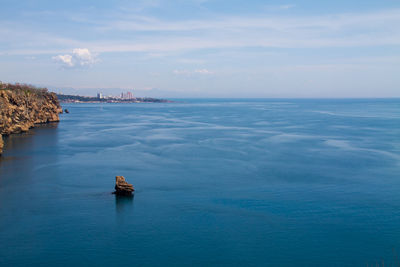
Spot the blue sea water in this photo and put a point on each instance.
(228, 182)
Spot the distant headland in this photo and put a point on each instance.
(100, 98)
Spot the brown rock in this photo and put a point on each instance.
(23, 106)
(1, 144)
(122, 187)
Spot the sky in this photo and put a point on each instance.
(204, 48)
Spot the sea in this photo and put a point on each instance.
(218, 182)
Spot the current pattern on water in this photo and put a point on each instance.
(218, 182)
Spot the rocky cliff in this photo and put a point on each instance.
(23, 106)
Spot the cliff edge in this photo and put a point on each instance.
(23, 106)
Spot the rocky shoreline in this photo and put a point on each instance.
(23, 106)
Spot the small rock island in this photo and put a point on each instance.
(123, 188)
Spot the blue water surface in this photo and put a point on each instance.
(227, 182)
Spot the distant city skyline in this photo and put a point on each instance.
(200, 48)
(123, 95)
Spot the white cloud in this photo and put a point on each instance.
(203, 71)
(80, 57)
(66, 60)
(191, 72)
(83, 56)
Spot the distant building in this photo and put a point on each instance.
(99, 95)
(127, 96)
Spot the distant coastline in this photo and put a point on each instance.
(87, 99)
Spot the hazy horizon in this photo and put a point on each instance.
(116, 92)
(204, 49)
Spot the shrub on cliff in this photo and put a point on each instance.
(27, 89)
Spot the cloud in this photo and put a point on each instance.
(181, 72)
(203, 71)
(154, 35)
(83, 56)
(66, 60)
(80, 57)
(191, 72)
(336, 30)
(286, 6)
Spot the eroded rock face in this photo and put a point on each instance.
(21, 109)
(1, 144)
(122, 187)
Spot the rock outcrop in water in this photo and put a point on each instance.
(122, 188)
(23, 106)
